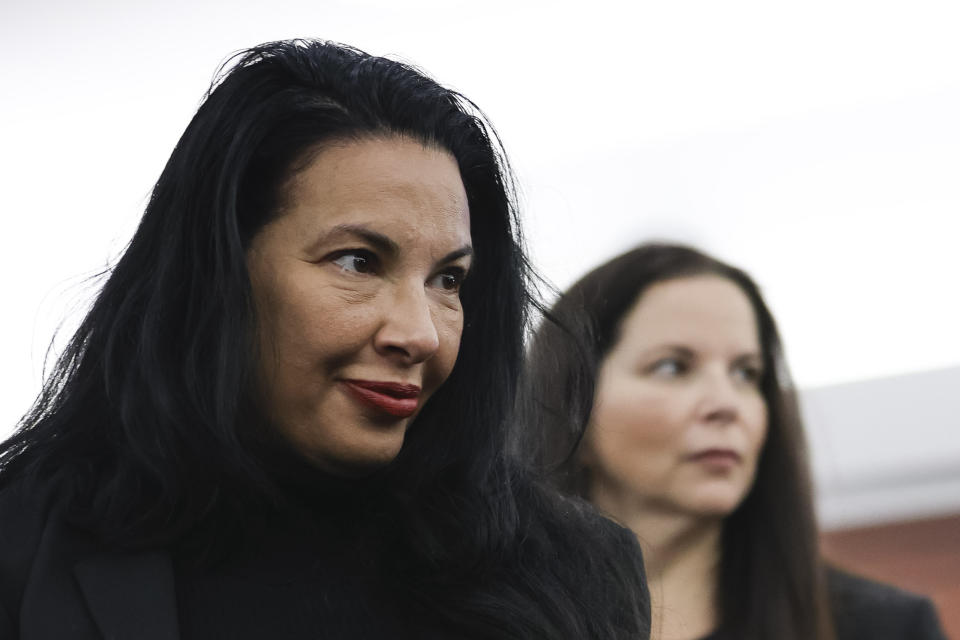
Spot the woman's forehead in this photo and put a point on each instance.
(694, 310)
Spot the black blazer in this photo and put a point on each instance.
(57, 584)
(868, 610)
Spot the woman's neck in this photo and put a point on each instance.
(682, 556)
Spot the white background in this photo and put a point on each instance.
(816, 144)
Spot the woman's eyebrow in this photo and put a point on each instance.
(382, 242)
(678, 349)
(669, 348)
(378, 240)
(464, 251)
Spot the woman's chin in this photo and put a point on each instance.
(716, 503)
(357, 464)
(360, 468)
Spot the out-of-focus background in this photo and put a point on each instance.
(815, 144)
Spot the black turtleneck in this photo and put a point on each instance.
(306, 570)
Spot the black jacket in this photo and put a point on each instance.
(58, 583)
(868, 610)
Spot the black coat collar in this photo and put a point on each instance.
(130, 595)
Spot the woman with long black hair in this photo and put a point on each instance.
(285, 414)
(661, 395)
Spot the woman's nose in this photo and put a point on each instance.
(720, 399)
(408, 330)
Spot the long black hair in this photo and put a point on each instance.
(771, 582)
(146, 415)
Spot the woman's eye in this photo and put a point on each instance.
(356, 261)
(667, 368)
(449, 280)
(748, 374)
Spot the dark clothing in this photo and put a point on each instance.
(302, 574)
(301, 578)
(868, 610)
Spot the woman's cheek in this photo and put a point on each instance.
(630, 421)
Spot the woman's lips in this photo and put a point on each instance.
(393, 398)
(716, 458)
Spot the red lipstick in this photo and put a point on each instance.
(393, 398)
